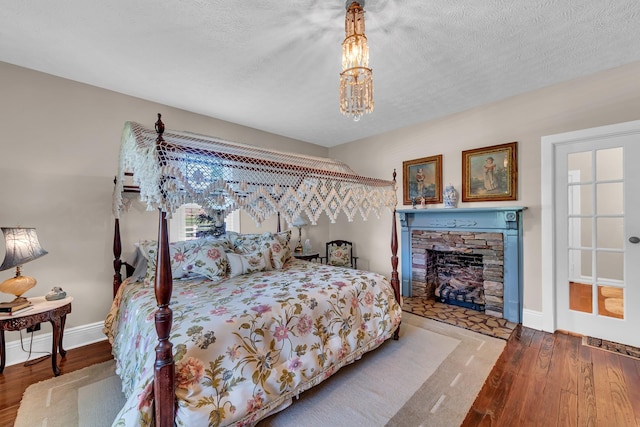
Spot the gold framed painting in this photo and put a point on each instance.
(490, 173)
(422, 178)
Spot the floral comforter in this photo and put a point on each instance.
(244, 346)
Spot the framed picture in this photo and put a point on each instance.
(422, 178)
(490, 173)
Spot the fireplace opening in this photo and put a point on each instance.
(456, 278)
(459, 267)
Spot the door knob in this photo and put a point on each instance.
(634, 239)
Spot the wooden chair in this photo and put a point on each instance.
(340, 253)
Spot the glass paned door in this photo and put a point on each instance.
(597, 279)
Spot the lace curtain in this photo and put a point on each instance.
(223, 176)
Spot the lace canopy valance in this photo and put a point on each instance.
(173, 168)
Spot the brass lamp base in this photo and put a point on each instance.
(17, 286)
(299, 247)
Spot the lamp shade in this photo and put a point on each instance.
(22, 246)
(300, 222)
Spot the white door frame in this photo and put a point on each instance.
(549, 146)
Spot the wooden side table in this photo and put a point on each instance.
(307, 257)
(54, 312)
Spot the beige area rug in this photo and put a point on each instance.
(59, 401)
(429, 377)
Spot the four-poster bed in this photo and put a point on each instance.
(283, 325)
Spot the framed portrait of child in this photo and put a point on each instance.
(422, 180)
(490, 173)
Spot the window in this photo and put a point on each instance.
(184, 222)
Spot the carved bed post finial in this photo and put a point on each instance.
(159, 128)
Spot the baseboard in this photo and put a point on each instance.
(41, 345)
(532, 319)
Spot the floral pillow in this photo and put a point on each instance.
(278, 243)
(183, 255)
(248, 263)
(209, 260)
(178, 253)
(244, 243)
(339, 256)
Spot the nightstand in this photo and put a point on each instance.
(54, 312)
(307, 257)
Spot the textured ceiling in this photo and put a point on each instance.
(274, 64)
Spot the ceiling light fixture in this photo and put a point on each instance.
(356, 79)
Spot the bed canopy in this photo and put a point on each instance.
(172, 168)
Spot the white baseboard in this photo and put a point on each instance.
(73, 338)
(532, 319)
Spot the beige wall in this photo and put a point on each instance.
(60, 143)
(605, 98)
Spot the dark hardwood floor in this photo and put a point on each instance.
(541, 379)
(544, 379)
(16, 378)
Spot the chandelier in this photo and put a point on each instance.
(356, 79)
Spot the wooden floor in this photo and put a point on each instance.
(16, 378)
(541, 379)
(544, 379)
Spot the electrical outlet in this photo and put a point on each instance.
(34, 328)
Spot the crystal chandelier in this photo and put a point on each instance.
(356, 79)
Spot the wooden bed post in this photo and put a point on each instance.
(395, 281)
(164, 382)
(164, 368)
(117, 262)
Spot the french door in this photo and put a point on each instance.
(597, 234)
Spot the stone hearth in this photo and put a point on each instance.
(465, 253)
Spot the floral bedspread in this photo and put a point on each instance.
(245, 346)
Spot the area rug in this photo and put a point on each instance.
(59, 401)
(430, 376)
(614, 347)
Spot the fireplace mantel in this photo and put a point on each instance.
(506, 220)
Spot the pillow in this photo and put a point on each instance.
(148, 249)
(244, 243)
(278, 244)
(224, 240)
(179, 255)
(139, 263)
(339, 256)
(208, 259)
(248, 263)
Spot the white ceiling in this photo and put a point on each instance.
(274, 64)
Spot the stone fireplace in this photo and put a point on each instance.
(459, 267)
(470, 257)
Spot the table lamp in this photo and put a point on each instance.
(22, 246)
(299, 223)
